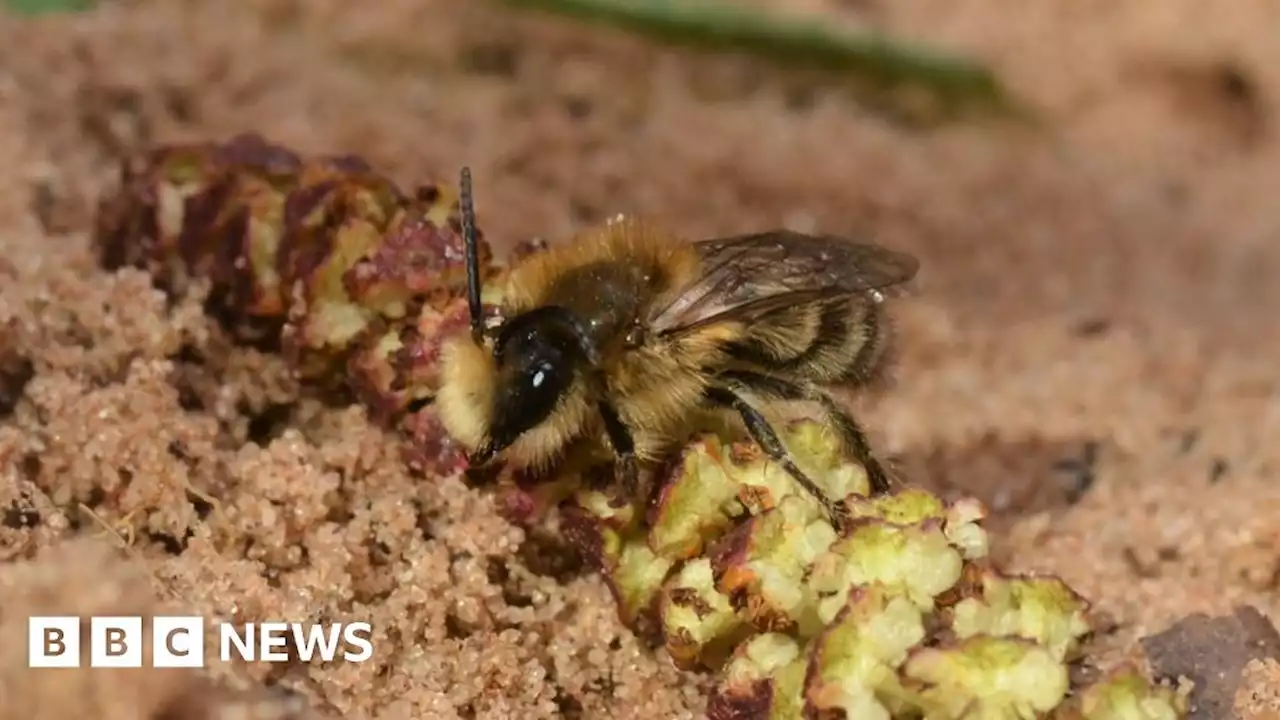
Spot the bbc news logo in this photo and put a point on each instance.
(179, 642)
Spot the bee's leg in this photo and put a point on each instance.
(765, 436)
(856, 441)
(624, 447)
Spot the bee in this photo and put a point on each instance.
(626, 336)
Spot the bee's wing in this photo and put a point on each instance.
(746, 276)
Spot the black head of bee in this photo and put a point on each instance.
(539, 355)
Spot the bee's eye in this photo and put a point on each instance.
(543, 382)
(529, 397)
(539, 377)
(532, 384)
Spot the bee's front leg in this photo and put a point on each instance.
(627, 469)
(629, 476)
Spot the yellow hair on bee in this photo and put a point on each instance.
(622, 240)
(469, 374)
(465, 403)
(465, 400)
(629, 337)
(540, 446)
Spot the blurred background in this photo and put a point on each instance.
(1132, 182)
(1090, 187)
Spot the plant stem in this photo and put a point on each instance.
(883, 63)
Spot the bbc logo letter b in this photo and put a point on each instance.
(115, 642)
(53, 642)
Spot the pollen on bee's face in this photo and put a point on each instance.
(468, 376)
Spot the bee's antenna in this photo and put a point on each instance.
(471, 244)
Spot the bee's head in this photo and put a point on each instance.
(501, 386)
(502, 393)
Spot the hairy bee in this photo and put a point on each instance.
(626, 336)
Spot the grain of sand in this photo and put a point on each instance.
(1104, 281)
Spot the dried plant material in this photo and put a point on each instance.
(699, 622)
(714, 482)
(1043, 609)
(1124, 694)
(915, 560)
(986, 677)
(960, 520)
(764, 679)
(903, 615)
(637, 574)
(357, 280)
(763, 565)
(855, 660)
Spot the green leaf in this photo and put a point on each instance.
(39, 7)
(880, 63)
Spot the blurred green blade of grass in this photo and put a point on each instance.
(41, 7)
(878, 61)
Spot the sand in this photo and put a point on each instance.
(1090, 350)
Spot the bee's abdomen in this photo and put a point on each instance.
(840, 343)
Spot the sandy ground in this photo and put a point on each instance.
(1106, 278)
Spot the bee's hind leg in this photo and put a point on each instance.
(765, 436)
(624, 447)
(856, 441)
